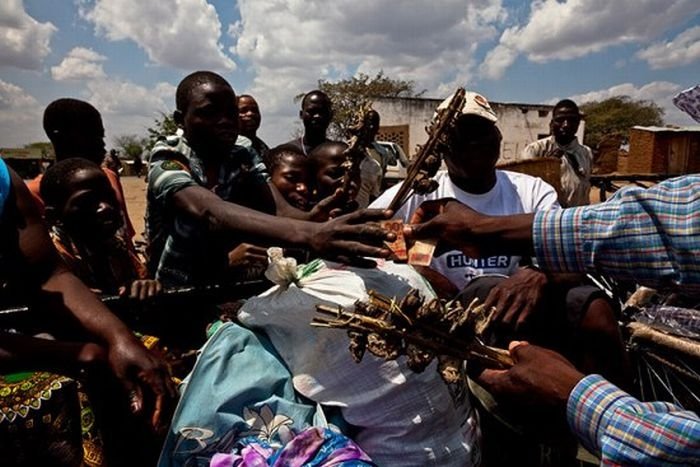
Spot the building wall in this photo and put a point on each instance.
(659, 151)
(520, 124)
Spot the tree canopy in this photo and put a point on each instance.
(163, 126)
(616, 115)
(131, 145)
(347, 95)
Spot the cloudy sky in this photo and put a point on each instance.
(127, 56)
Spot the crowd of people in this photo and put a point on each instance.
(218, 196)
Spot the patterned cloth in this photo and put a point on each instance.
(180, 251)
(114, 266)
(689, 102)
(625, 431)
(256, 145)
(576, 165)
(314, 446)
(648, 236)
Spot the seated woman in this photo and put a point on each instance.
(40, 415)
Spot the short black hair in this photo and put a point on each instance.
(316, 154)
(274, 156)
(315, 92)
(566, 104)
(66, 113)
(54, 183)
(191, 81)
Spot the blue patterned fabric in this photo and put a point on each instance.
(624, 431)
(5, 185)
(239, 388)
(649, 236)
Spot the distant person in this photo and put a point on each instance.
(75, 129)
(576, 159)
(112, 162)
(378, 152)
(248, 125)
(316, 114)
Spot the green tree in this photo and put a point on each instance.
(616, 115)
(131, 145)
(162, 127)
(45, 148)
(349, 94)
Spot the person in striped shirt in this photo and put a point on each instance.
(649, 236)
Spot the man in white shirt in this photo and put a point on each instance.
(578, 320)
(576, 159)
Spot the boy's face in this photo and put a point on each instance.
(292, 177)
(210, 122)
(329, 174)
(248, 116)
(91, 211)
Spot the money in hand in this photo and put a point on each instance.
(398, 246)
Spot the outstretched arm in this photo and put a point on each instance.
(354, 234)
(61, 292)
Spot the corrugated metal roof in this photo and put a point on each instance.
(658, 129)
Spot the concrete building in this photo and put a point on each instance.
(403, 121)
(663, 150)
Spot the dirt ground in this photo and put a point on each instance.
(135, 196)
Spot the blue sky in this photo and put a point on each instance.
(127, 56)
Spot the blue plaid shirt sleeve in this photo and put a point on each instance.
(624, 431)
(648, 236)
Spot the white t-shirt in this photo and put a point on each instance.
(514, 193)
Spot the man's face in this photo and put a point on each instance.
(91, 210)
(292, 177)
(248, 116)
(210, 122)
(476, 145)
(316, 113)
(564, 124)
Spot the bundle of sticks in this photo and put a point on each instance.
(421, 330)
(361, 134)
(424, 165)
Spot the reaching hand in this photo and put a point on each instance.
(516, 297)
(247, 255)
(144, 376)
(447, 220)
(142, 289)
(333, 206)
(539, 377)
(352, 235)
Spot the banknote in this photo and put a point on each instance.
(421, 252)
(398, 246)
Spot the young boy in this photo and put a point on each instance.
(85, 220)
(290, 172)
(326, 160)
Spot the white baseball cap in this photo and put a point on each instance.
(474, 104)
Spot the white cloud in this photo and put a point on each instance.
(659, 92)
(179, 33)
(24, 42)
(20, 116)
(565, 30)
(79, 64)
(290, 44)
(682, 50)
(126, 107)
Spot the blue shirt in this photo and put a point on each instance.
(648, 236)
